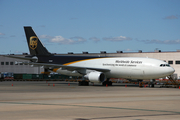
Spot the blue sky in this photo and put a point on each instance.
(91, 25)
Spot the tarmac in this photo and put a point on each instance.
(59, 100)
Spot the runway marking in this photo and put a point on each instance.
(174, 112)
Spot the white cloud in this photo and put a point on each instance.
(45, 37)
(171, 17)
(95, 39)
(162, 41)
(120, 38)
(78, 39)
(62, 40)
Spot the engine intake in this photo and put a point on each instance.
(96, 77)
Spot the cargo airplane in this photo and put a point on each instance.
(94, 68)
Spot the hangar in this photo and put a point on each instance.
(172, 58)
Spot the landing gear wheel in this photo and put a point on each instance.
(152, 83)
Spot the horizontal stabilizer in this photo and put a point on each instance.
(22, 58)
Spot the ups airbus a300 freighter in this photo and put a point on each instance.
(95, 68)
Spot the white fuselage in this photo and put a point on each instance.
(129, 67)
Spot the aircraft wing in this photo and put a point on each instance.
(65, 67)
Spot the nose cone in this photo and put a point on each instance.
(171, 70)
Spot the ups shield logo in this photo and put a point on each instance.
(33, 42)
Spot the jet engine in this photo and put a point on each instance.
(96, 77)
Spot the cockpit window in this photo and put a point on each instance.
(164, 65)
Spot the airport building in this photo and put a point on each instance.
(10, 64)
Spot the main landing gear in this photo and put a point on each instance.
(107, 82)
(152, 83)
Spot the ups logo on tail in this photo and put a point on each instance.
(33, 42)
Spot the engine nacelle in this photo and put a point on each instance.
(96, 77)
